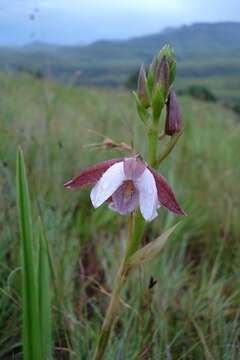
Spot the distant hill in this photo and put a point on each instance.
(206, 53)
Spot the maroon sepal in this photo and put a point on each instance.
(91, 174)
(166, 196)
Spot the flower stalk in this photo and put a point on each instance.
(136, 224)
(111, 313)
(119, 282)
(128, 183)
(153, 144)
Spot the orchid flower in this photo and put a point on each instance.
(125, 184)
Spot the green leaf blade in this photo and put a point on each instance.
(44, 294)
(31, 328)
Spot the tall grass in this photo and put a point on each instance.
(194, 307)
(44, 301)
(36, 304)
(32, 346)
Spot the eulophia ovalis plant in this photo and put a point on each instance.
(132, 186)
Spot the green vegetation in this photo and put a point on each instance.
(193, 310)
(208, 55)
(199, 92)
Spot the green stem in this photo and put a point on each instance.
(152, 144)
(135, 232)
(111, 313)
(116, 294)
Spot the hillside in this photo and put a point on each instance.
(207, 54)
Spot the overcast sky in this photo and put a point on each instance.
(82, 21)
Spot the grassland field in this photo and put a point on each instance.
(194, 309)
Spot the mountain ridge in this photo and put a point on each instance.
(203, 50)
(167, 30)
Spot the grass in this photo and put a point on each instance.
(224, 87)
(193, 310)
(31, 325)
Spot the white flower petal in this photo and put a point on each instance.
(108, 184)
(147, 195)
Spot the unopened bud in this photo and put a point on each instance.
(151, 75)
(173, 116)
(153, 66)
(168, 52)
(142, 87)
(172, 69)
(162, 74)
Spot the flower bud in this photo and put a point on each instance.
(151, 75)
(173, 116)
(158, 103)
(142, 87)
(172, 69)
(168, 52)
(153, 66)
(162, 74)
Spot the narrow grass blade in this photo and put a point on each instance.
(44, 294)
(31, 326)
